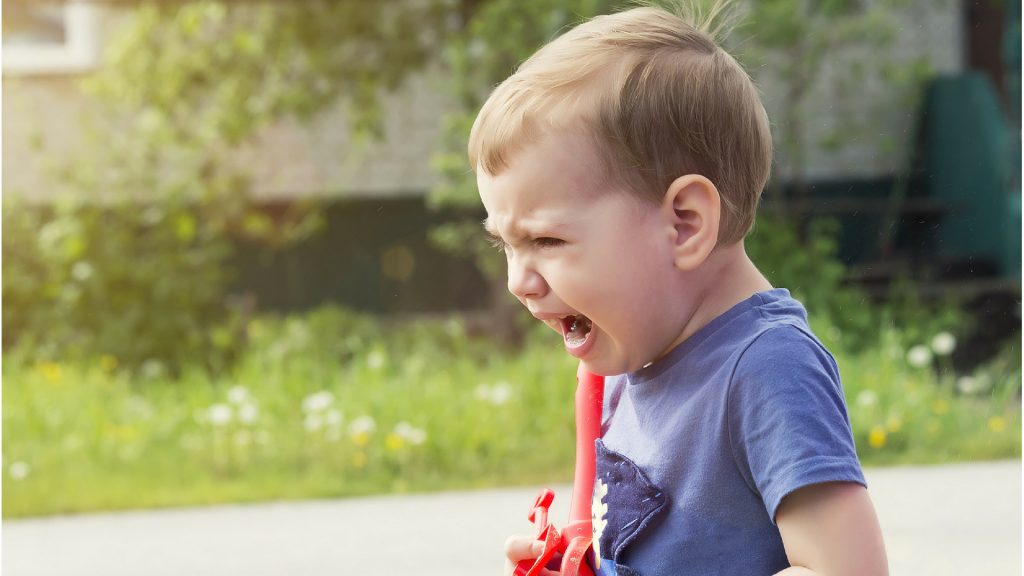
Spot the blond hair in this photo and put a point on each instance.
(658, 97)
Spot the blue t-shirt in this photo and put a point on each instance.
(699, 448)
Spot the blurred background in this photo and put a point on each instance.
(242, 257)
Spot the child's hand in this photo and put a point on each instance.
(518, 548)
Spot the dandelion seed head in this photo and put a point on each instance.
(333, 418)
(248, 413)
(919, 356)
(969, 385)
(19, 470)
(313, 422)
(362, 425)
(317, 402)
(498, 394)
(943, 343)
(152, 369)
(219, 414)
(411, 434)
(238, 394)
(375, 360)
(81, 271)
(867, 398)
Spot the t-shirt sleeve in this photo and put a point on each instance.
(788, 423)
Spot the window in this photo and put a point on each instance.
(49, 37)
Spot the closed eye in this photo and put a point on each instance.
(546, 242)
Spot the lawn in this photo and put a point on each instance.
(329, 404)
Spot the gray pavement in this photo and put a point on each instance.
(952, 519)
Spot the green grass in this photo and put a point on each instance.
(419, 407)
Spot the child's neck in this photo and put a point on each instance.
(726, 278)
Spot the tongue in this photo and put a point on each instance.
(578, 331)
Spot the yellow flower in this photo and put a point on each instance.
(361, 439)
(932, 427)
(940, 406)
(117, 433)
(108, 363)
(877, 437)
(394, 442)
(359, 460)
(50, 370)
(997, 424)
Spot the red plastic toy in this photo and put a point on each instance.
(575, 540)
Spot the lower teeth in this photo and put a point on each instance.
(577, 333)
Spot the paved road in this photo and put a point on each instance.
(956, 519)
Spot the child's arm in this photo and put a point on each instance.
(831, 529)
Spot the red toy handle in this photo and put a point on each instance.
(575, 541)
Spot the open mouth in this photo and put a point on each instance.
(575, 330)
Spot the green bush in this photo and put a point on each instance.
(814, 274)
(135, 282)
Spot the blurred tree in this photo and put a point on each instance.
(841, 50)
(132, 261)
(186, 83)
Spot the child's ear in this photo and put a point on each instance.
(694, 208)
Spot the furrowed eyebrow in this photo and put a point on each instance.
(492, 231)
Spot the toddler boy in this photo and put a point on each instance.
(621, 168)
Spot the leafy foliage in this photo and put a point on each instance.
(134, 259)
(132, 262)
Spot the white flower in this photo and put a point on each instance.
(19, 470)
(238, 394)
(219, 414)
(375, 360)
(152, 369)
(140, 408)
(317, 402)
(919, 356)
(333, 418)
(313, 422)
(410, 433)
(944, 343)
(497, 394)
(332, 435)
(970, 385)
(500, 394)
(867, 398)
(248, 413)
(81, 271)
(362, 425)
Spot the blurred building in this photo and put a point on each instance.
(375, 254)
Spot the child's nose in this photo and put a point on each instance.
(524, 282)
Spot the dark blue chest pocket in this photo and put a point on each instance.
(625, 504)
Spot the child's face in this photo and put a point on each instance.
(591, 262)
